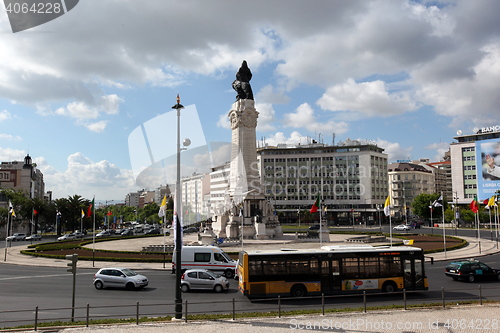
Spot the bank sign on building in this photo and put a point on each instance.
(488, 164)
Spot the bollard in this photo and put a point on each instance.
(137, 314)
(87, 318)
(323, 304)
(442, 296)
(234, 310)
(404, 297)
(480, 295)
(36, 318)
(186, 313)
(279, 306)
(364, 301)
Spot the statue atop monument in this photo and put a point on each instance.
(242, 83)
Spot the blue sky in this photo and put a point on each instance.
(405, 74)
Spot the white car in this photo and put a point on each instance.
(119, 277)
(16, 237)
(67, 237)
(35, 237)
(401, 227)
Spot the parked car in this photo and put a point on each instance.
(67, 237)
(16, 237)
(203, 279)
(470, 270)
(401, 227)
(315, 227)
(34, 237)
(190, 230)
(127, 232)
(104, 233)
(153, 232)
(119, 277)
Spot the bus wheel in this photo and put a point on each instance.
(298, 290)
(229, 273)
(389, 287)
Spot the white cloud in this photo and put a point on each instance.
(10, 137)
(394, 150)
(304, 117)
(369, 98)
(87, 178)
(294, 138)
(9, 154)
(440, 148)
(97, 127)
(4, 115)
(266, 120)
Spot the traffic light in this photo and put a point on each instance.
(72, 264)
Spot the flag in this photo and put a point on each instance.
(109, 213)
(474, 206)
(35, 211)
(163, 207)
(387, 206)
(485, 202)
(83, 214)
(315, 206)
(241, 211)
(11, 207)
(491, 202)
(13, 213)
(325, 209)
(91, 207)
(438, 202)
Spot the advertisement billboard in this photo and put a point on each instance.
(488, 167)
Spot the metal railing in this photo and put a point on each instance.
(140, 312)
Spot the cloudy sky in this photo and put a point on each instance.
(405, 74)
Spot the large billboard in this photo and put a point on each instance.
(488, 167)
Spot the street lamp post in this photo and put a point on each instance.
(178, 235)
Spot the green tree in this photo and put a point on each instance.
(421, 203)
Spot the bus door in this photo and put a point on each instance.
(413, 275)
(330, 276)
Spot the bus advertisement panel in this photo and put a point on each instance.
(331, 270)
(487, 168)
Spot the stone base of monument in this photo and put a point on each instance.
(324, 235)
(207, 239)
(261, 231)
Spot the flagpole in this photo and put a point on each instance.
(491, 227)
(444, 229)
(478, 231)
(93, 233)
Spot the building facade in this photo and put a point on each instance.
(22, 176)
(464, 171)
(350, 178)
(406, 181)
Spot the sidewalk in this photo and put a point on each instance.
(473, 250)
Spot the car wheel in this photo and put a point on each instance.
(184, 288)
(229, 273)
(218, 288)
(98, 285)
(298, 291)
(389, 287)
(498, 276)
(130, 286)
(471, 278)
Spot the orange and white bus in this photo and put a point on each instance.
(331, 270)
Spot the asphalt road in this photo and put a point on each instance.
(25, 287)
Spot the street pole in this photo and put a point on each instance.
(178, 234)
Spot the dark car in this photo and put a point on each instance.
(315, 227)
(190, 230)
(153, 232)
(470, 270)
(127, 232)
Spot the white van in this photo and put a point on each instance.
(206, 257)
